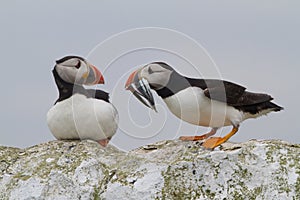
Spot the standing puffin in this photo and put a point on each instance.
(81, 113)
(204, 102)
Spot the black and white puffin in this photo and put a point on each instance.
(205, 102)
(81, 113)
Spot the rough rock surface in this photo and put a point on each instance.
(165, 170)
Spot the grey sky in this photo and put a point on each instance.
(255, 44)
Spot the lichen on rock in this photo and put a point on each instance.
(164, 170)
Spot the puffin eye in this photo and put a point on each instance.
(77, 66)
(150, 71)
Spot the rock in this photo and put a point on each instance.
(165, 170)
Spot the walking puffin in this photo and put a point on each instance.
(81, 113)
(204, 102)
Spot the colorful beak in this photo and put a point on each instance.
(93, 76)
(140, 89)
(98, 76)
(131, 79)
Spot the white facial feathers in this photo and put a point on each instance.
(73, 70)
(157, 76)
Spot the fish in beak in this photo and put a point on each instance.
(141, 89)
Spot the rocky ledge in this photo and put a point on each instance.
(164, 170)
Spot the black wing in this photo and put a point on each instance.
(228, 92)
(98, 94)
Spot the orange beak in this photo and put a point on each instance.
(130, 80)
(98, 75)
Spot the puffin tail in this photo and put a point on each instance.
(262, 108)
(274, 107)
(268, 107)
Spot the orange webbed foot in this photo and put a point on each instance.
(213, 142)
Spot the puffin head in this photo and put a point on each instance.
(154, 76)
(76, 70)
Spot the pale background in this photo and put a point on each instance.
(254, 43)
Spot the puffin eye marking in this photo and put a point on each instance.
(77, 66)
(150, 71)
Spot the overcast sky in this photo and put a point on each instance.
(255, 44)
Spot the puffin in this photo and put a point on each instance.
(210, 103)
(81, 113)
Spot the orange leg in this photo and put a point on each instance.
(199, 137)
(213, 142)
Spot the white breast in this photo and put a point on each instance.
(191, 105)
(79, 117)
